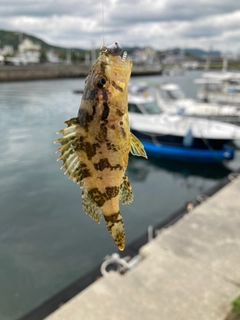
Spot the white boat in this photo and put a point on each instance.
(179, 137)
(222, 87)
(172, 100)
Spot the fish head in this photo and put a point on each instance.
(109, 81)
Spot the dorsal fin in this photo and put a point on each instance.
(76, 169)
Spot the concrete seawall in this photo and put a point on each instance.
(38, 72)
(191, 270)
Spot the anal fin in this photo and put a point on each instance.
(90, 207)
(126, 195)
(137, 149)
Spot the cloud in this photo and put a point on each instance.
(161, 24)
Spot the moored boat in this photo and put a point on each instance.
(172, 100)
(180, 137)
(219, 87)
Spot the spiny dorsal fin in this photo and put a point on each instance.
(137, 149)
(71, 162)
(90, 207)
(125, 195)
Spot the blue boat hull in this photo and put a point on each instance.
(188, 154)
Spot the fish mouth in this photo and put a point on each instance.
(115, 49)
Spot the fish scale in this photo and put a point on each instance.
(95, 145)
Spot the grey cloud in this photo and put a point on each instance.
(142, 22)
(49, 8)
(172, 11)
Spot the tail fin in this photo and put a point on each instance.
(115, 226)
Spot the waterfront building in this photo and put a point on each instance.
(29, 52)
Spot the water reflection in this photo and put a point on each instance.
(139, 169)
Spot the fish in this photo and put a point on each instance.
(95, 145)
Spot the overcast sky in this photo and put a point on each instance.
(159, 23)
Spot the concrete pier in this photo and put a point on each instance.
(190, 271)
(51, 71)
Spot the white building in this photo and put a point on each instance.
(7, 50)
(29, 52)
(52, 57)
(147, 55)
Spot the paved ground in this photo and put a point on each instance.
(191, 271)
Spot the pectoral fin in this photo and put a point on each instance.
(137, 149)
(125, 195)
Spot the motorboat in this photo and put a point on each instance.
(172, 100)
(179, 137)
(222, 87)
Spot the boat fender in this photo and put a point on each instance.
(180, 111)
(188, 139)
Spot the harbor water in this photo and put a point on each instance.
(46, 239)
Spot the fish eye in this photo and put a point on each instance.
(101, 82)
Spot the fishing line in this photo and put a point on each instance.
(103, 21)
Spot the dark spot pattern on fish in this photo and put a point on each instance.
(82, 165)
(119, 113)
(112, 192)
(105, 112)
(117, 87)
(102, 134)
(90, 94)
(104, 95)
(111, 146)
(94, 109)
(84, 173)
(84, 119)
(98, 197)
(104, 164)
(123, 133)
(113, 219)
(103, 67)
(87, 147)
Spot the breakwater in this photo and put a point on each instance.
(38, 72)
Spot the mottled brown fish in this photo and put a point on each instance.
(95, 145)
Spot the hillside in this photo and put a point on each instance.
(202, 53)
(12, 38)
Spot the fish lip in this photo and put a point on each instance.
(115, 49)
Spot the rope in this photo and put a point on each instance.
(123, 264)
(233, 176)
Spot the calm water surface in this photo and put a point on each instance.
(46, 240)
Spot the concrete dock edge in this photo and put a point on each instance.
(191, 270)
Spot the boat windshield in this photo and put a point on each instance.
(175, 94)
(151, 108)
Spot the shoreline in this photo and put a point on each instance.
(45, 72)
